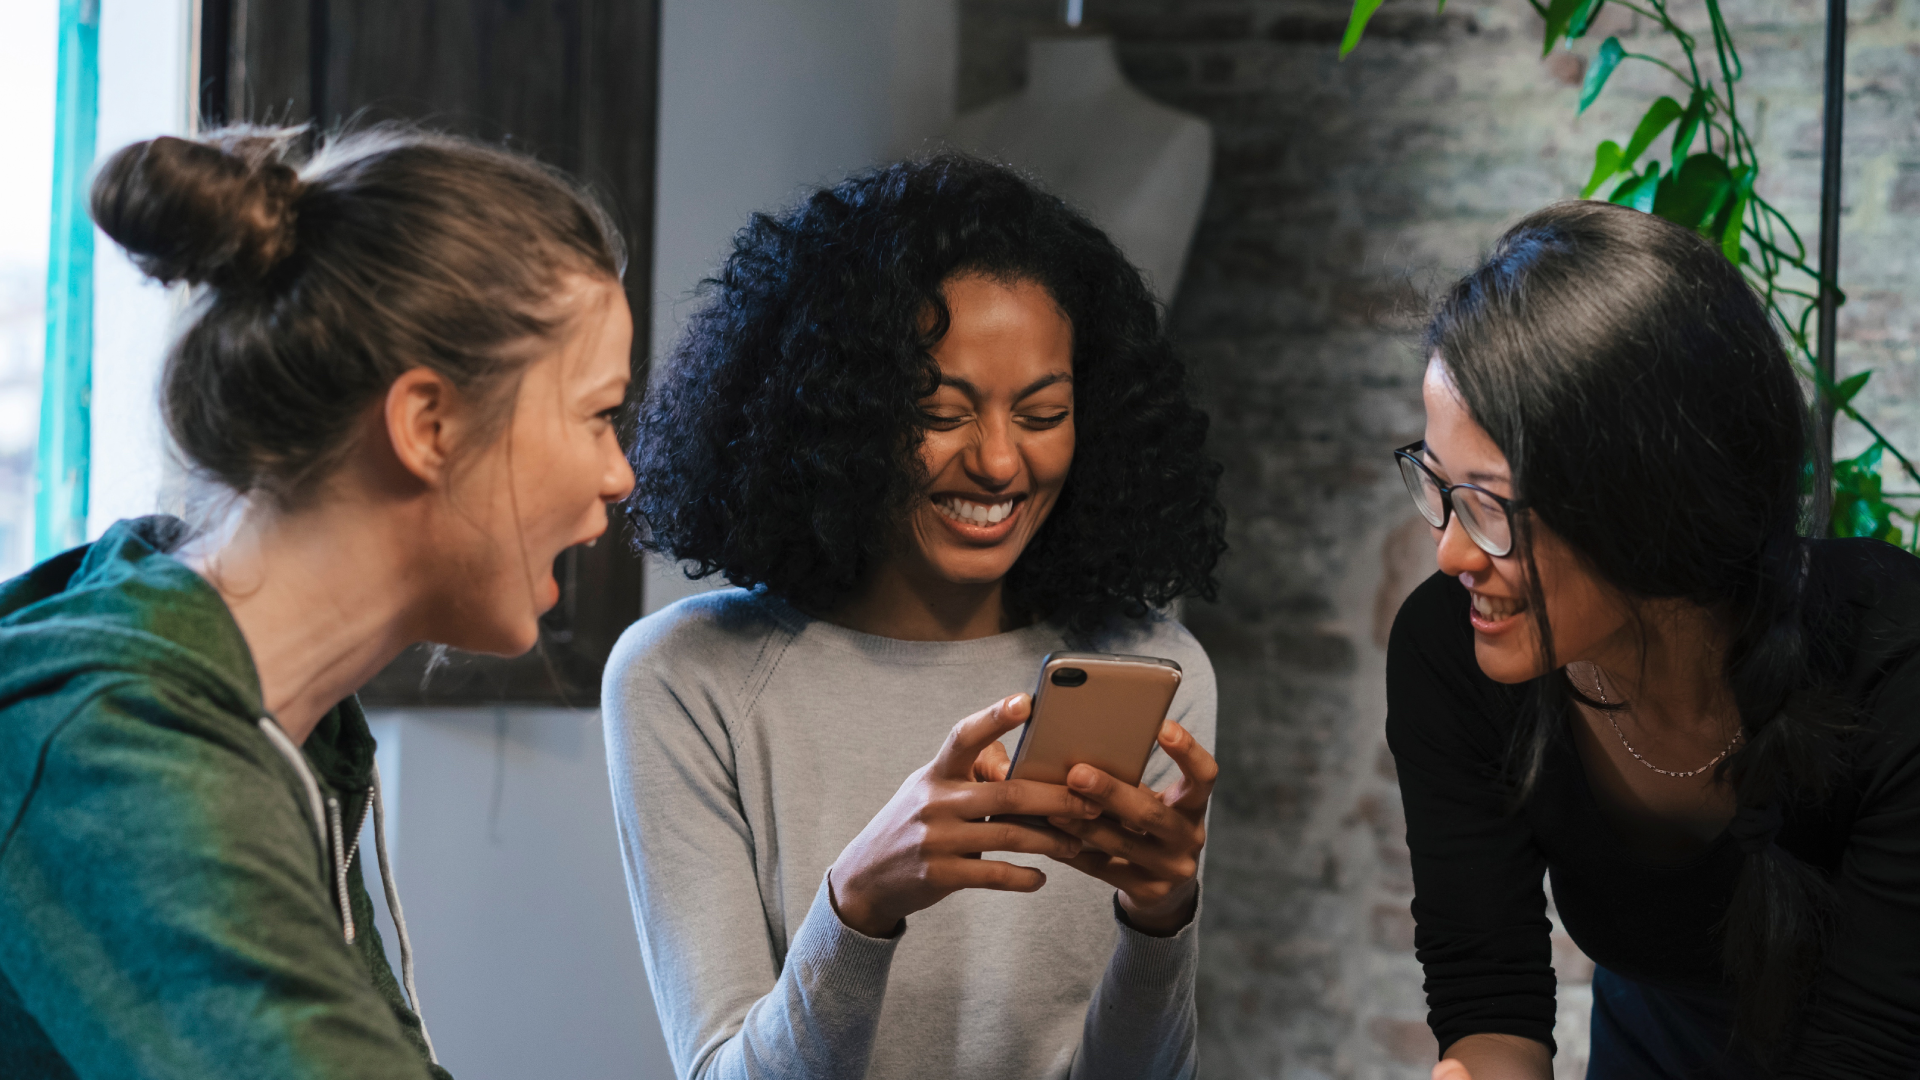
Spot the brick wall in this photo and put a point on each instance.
(1344, 195)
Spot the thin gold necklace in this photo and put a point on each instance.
(1601, 689)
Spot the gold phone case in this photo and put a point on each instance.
(1102, 709)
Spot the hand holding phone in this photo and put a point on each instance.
(926, 843)
(1146, 844)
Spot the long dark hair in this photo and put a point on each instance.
(1651, 419)
(780, 446)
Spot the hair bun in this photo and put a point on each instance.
(219, 211)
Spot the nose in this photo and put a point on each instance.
(993, 460)
(1459, 556)
(617, 482)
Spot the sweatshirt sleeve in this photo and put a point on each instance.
(1479, 907)
(731, 1006)
(163, 913)
(1142, 1021)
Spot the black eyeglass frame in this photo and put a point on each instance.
(1410, 452)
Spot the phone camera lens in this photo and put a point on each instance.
(1068, 676)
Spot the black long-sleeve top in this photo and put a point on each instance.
(1479, 905)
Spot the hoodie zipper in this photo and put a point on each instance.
(343, 856)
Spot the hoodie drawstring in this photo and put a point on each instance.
(342, 853)
(393, 908)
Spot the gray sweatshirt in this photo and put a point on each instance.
(749, 744)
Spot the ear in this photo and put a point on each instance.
(421, 425)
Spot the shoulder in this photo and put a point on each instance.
(1431, 634)
(1438, 699)
(1159, 635)
(156, 767)
(716, 638)
(1878, 585)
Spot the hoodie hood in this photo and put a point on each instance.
(124, 603)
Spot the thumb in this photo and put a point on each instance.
(970, 736)
(1451, 1069)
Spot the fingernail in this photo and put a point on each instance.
(1081, 777)
(1058, 822)
(1073, 849)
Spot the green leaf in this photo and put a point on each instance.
(1639, 191)
(1737, 215)
(1689, 127)
(1606, 162)
(1583, 18)
(1559, 14)
(1844, 393)
(1697, 191)
(1860, 507)
(1662, 113)
(1604, 62)
(1357, 24)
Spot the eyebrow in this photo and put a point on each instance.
(1034, 387)
(1472, 477)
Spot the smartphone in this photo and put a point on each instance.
(1102, 709)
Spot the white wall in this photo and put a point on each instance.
(503, 847)
(144, 83)
(760, 101)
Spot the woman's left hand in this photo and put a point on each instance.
(1146, 843)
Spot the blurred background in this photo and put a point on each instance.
(1331, 200)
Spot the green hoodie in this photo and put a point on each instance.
(180, 890)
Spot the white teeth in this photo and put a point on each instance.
(1488, 607)
(973, 513)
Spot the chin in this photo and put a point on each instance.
(506, 638)
(963, 571)
(1507, 666)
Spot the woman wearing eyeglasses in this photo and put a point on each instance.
(1635, 676)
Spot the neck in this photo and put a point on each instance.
(1061, 69)
(318, 596)
(895, 602)
(1670, 669)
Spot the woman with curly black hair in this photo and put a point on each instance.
(928, 423)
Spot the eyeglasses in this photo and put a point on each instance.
(1486, 517)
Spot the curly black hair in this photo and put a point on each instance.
(780, 447)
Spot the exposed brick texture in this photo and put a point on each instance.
(1344, 195)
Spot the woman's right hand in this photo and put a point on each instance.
(925, 844)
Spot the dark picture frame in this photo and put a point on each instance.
(573, 82)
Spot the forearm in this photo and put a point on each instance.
(819, 1018)
(1141, 1021)
(1501, 1057)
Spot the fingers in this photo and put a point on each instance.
(1177, 862)
(1130, 804)
(1198, 769)
(970, 736)
(1030, 797)
(973, 837)
(992, 764)
(993, 874)
(1451, 1069)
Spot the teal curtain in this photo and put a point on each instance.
(66, 381)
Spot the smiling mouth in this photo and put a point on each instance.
(1493, 612)
(978, 514)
